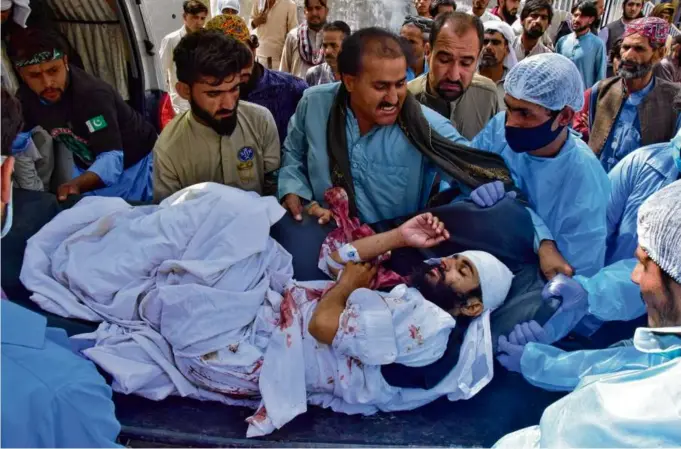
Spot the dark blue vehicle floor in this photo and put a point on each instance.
(508, 403)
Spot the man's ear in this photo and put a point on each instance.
(658, 54)
(565, 117)
(66, 62)
(183, 90)
(426, 49)
(350, 82)
(473, 308)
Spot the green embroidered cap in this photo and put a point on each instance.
(39, 58)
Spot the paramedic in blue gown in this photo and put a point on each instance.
(564, 183)
(626, 395)
(110, 142)
(51, 397)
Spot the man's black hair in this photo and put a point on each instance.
(324, 3)
(27, 42)
(587, 8)
(615, 51)
(461, 22)
(210, 53)
(437, 3)
(12, 121)
(194, 7)
(375, 42)
(534, 6)
(338, 25)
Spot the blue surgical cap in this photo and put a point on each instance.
(549, 79)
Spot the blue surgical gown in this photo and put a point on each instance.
(390, 176)
(133, 184)
(624, 396)
(569, 192)
(633, 180)
(51, 397)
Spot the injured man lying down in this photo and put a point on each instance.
(194, 298)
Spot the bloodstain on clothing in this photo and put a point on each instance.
(256, 366)
(289, 340)
(259, 416)
(330, 380)
(415, 334)
(233, 348)
(287, 308)
(349, 230)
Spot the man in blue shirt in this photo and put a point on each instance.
(391, 178)
(582, 47)
(634, 108)
(50, 396)
(416, 30)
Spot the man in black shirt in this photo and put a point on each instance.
(109, 142)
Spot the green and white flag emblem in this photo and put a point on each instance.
(96, 123)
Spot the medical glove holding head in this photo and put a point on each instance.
(625, 395)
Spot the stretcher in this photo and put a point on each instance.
(507, 404)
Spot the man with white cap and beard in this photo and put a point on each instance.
(498, 56)
(625, 395)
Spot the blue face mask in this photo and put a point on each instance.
(523, 140)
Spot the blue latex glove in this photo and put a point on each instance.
(574, 305)
(21, 142)
(487, 195)
(512, 348)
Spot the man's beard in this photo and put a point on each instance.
(488, 60)
(534, 32)
(438, 293)
(636, 70)
(508, 14)
(224, 126)
(580, 29)
(448, 94)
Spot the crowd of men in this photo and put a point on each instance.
(585, 124)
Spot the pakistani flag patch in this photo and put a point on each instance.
(96, 123)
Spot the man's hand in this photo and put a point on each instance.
(358, 275)
(323, 215)
(258, 20)
(423, 231)
(69, 188)
(511, 348)
(293, 204)
(487, 195)
(551, 261)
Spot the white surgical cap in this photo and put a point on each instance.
(549, 80)
(506, 31)
(659, 229)
(21, 10)
(495, 278)
(233, 4)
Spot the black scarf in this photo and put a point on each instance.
(467, 166)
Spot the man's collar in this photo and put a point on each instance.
(21, 327)
(658, 340)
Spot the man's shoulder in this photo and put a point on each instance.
(483, 83)
(322, 93)
(293, 34)
(667, 86)
(173, 36)
(418, 84)
(169, 140)
(586, 163)
(278, 78)
(254, 112)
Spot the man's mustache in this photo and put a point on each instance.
(385, 104)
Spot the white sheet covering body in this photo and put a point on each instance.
(195, 299)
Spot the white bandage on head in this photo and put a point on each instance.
(348, 253)
(495, 278)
